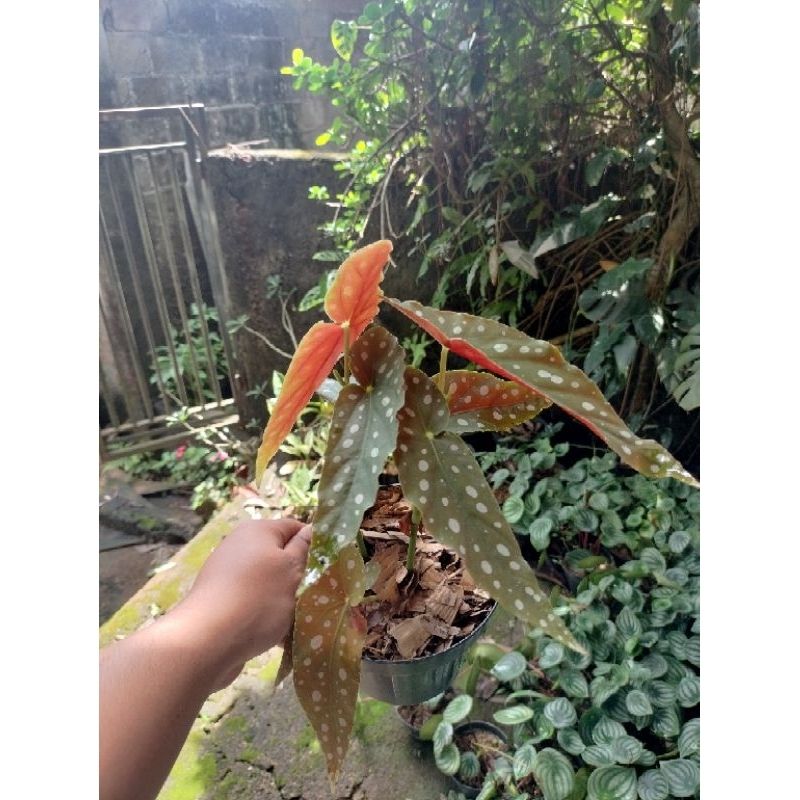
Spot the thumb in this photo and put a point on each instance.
(298, 545)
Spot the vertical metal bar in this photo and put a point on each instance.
(111, 263)
(158, 303)
(166, 235)
(201, 204)
(192, 270)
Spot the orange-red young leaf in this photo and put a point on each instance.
(318, 351)
(355, 293)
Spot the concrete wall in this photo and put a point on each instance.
(225, 54)
(268, 229)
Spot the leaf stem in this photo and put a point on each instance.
(362, 545)
(416, 516)
(442, 367)
(346, 354)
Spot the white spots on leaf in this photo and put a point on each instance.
(500, 347)
(486, 567)
(422, 465)
(503, 550)
(454, 525)
(316, 642)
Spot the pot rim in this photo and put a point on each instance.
(479, 627)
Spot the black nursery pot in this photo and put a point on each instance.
(415, 680)
(476, 725)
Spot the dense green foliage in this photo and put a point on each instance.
(542, 158)
(622, 721)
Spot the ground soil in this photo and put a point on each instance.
(127, 561)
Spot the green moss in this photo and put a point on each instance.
(368, 712)
(233, 725)
(193, 772)
(269, 671)
(307, 739)
(249, 755)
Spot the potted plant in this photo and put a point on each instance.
(387, 410)
(472, 752)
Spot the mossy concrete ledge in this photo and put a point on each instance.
(252, 739)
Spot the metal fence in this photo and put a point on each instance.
(165, 348)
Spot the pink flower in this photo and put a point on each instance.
(180, 451)
(221, 455)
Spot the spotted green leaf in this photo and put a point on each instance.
(541, 367)
(441, 476)
(361, 437)
(329, 633)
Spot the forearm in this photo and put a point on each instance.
(152, 686)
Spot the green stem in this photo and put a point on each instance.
(442, 367)
(416, 516)
(362, 545)
(346, 354)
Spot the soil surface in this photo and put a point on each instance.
(141, 527)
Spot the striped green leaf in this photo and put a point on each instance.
(448, 759)
(510, 666)
(638, 703)
(689, 739)
(612, 783)
(457, 709)
(689, 691)
(626, 750)
(523, 761)
(514, 715)
(570, 740)
(683, 776)
(561, 713)
(652, 785)
(554, 774)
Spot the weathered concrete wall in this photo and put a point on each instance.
(268, 230)
(225, 54)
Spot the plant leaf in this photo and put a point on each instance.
(612, 783)
(318, 351)
(510, 666)
(362, 434)
(514, 715)
(441, 476)
(561, 713)
(683, 776)
(652, 785)
(689, 739)
(480, 401)
(329, 635)
(458, 708)
(355, 292)
(554, 774)
(541, 366)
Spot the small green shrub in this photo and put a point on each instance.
(189, 363)
(210, 470)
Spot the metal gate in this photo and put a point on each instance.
(167, 360)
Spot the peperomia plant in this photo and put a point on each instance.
(386, 409)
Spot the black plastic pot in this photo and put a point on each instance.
(409, 681)
(476, 725)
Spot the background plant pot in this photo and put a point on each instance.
(409, 681)
(466, 727)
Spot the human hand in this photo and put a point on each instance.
(242, 601)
